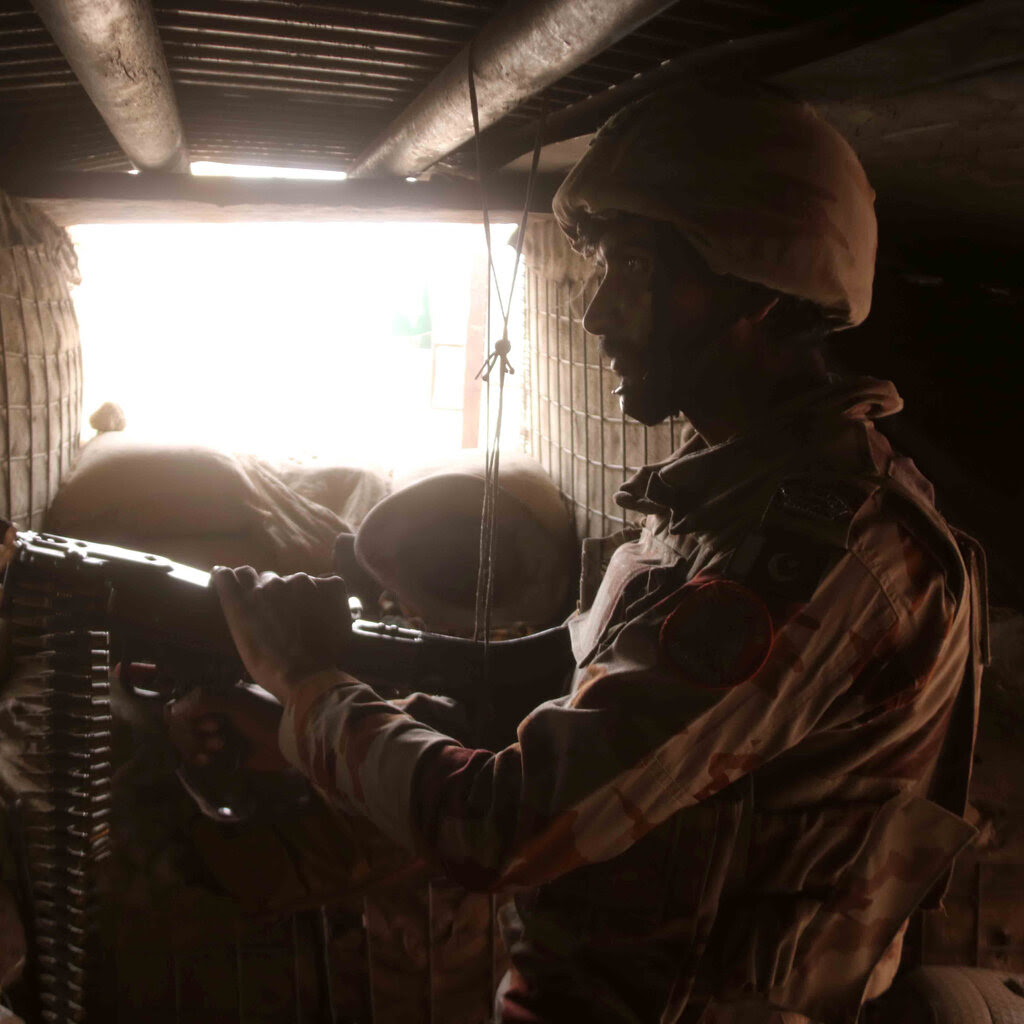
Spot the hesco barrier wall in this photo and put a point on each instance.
(40, 361)
(572, 422)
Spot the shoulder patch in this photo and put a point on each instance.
(817, 507)
(783, 564)
(718, 635)
(804, 531)
(814, 499)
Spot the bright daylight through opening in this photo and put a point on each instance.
(341, 342)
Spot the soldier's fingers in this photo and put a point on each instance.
(205, 711)
(191, 705)
(8, 545)
(332, 586)
(297, 579)
(268, 581)
(231, 584)
(184, 738)
(332, 580)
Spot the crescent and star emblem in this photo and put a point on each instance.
(784, 567)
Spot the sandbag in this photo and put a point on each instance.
(348, 491)
(422, 543)
(205, 507)
(952, 995)
(153, 490)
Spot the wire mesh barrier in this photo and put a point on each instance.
(40, 361)
(572, 421)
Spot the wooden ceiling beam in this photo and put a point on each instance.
(97, 197)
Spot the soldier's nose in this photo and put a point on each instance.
(597, 318)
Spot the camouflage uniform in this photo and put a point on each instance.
(729, 815)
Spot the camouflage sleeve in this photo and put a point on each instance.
(689, 696)
(445, 714)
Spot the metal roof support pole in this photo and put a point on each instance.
(114, 49)
(523, 49)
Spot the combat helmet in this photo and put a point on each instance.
(762, 186)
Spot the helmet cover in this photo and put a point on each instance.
(760, 185)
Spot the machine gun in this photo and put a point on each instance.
(161, 624)
(73, 611)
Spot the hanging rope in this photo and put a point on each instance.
(497, 358)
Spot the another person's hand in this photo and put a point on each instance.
(8, 543)
(205, 727)
(285, 628)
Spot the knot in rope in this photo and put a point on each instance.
(498, 356)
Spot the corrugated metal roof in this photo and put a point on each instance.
(308, 84)
(934, 111)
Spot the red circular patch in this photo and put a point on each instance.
(718, 635)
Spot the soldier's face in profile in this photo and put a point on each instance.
(648, 315)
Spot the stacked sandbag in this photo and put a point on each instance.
(422, 543)
(347, 491)
(205, 507)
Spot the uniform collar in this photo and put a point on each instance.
(700, 486)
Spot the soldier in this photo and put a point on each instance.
(758, 767)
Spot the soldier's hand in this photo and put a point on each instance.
(8, 542)
(207, 727)
(285, 628)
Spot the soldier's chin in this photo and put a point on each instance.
(642, 402)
